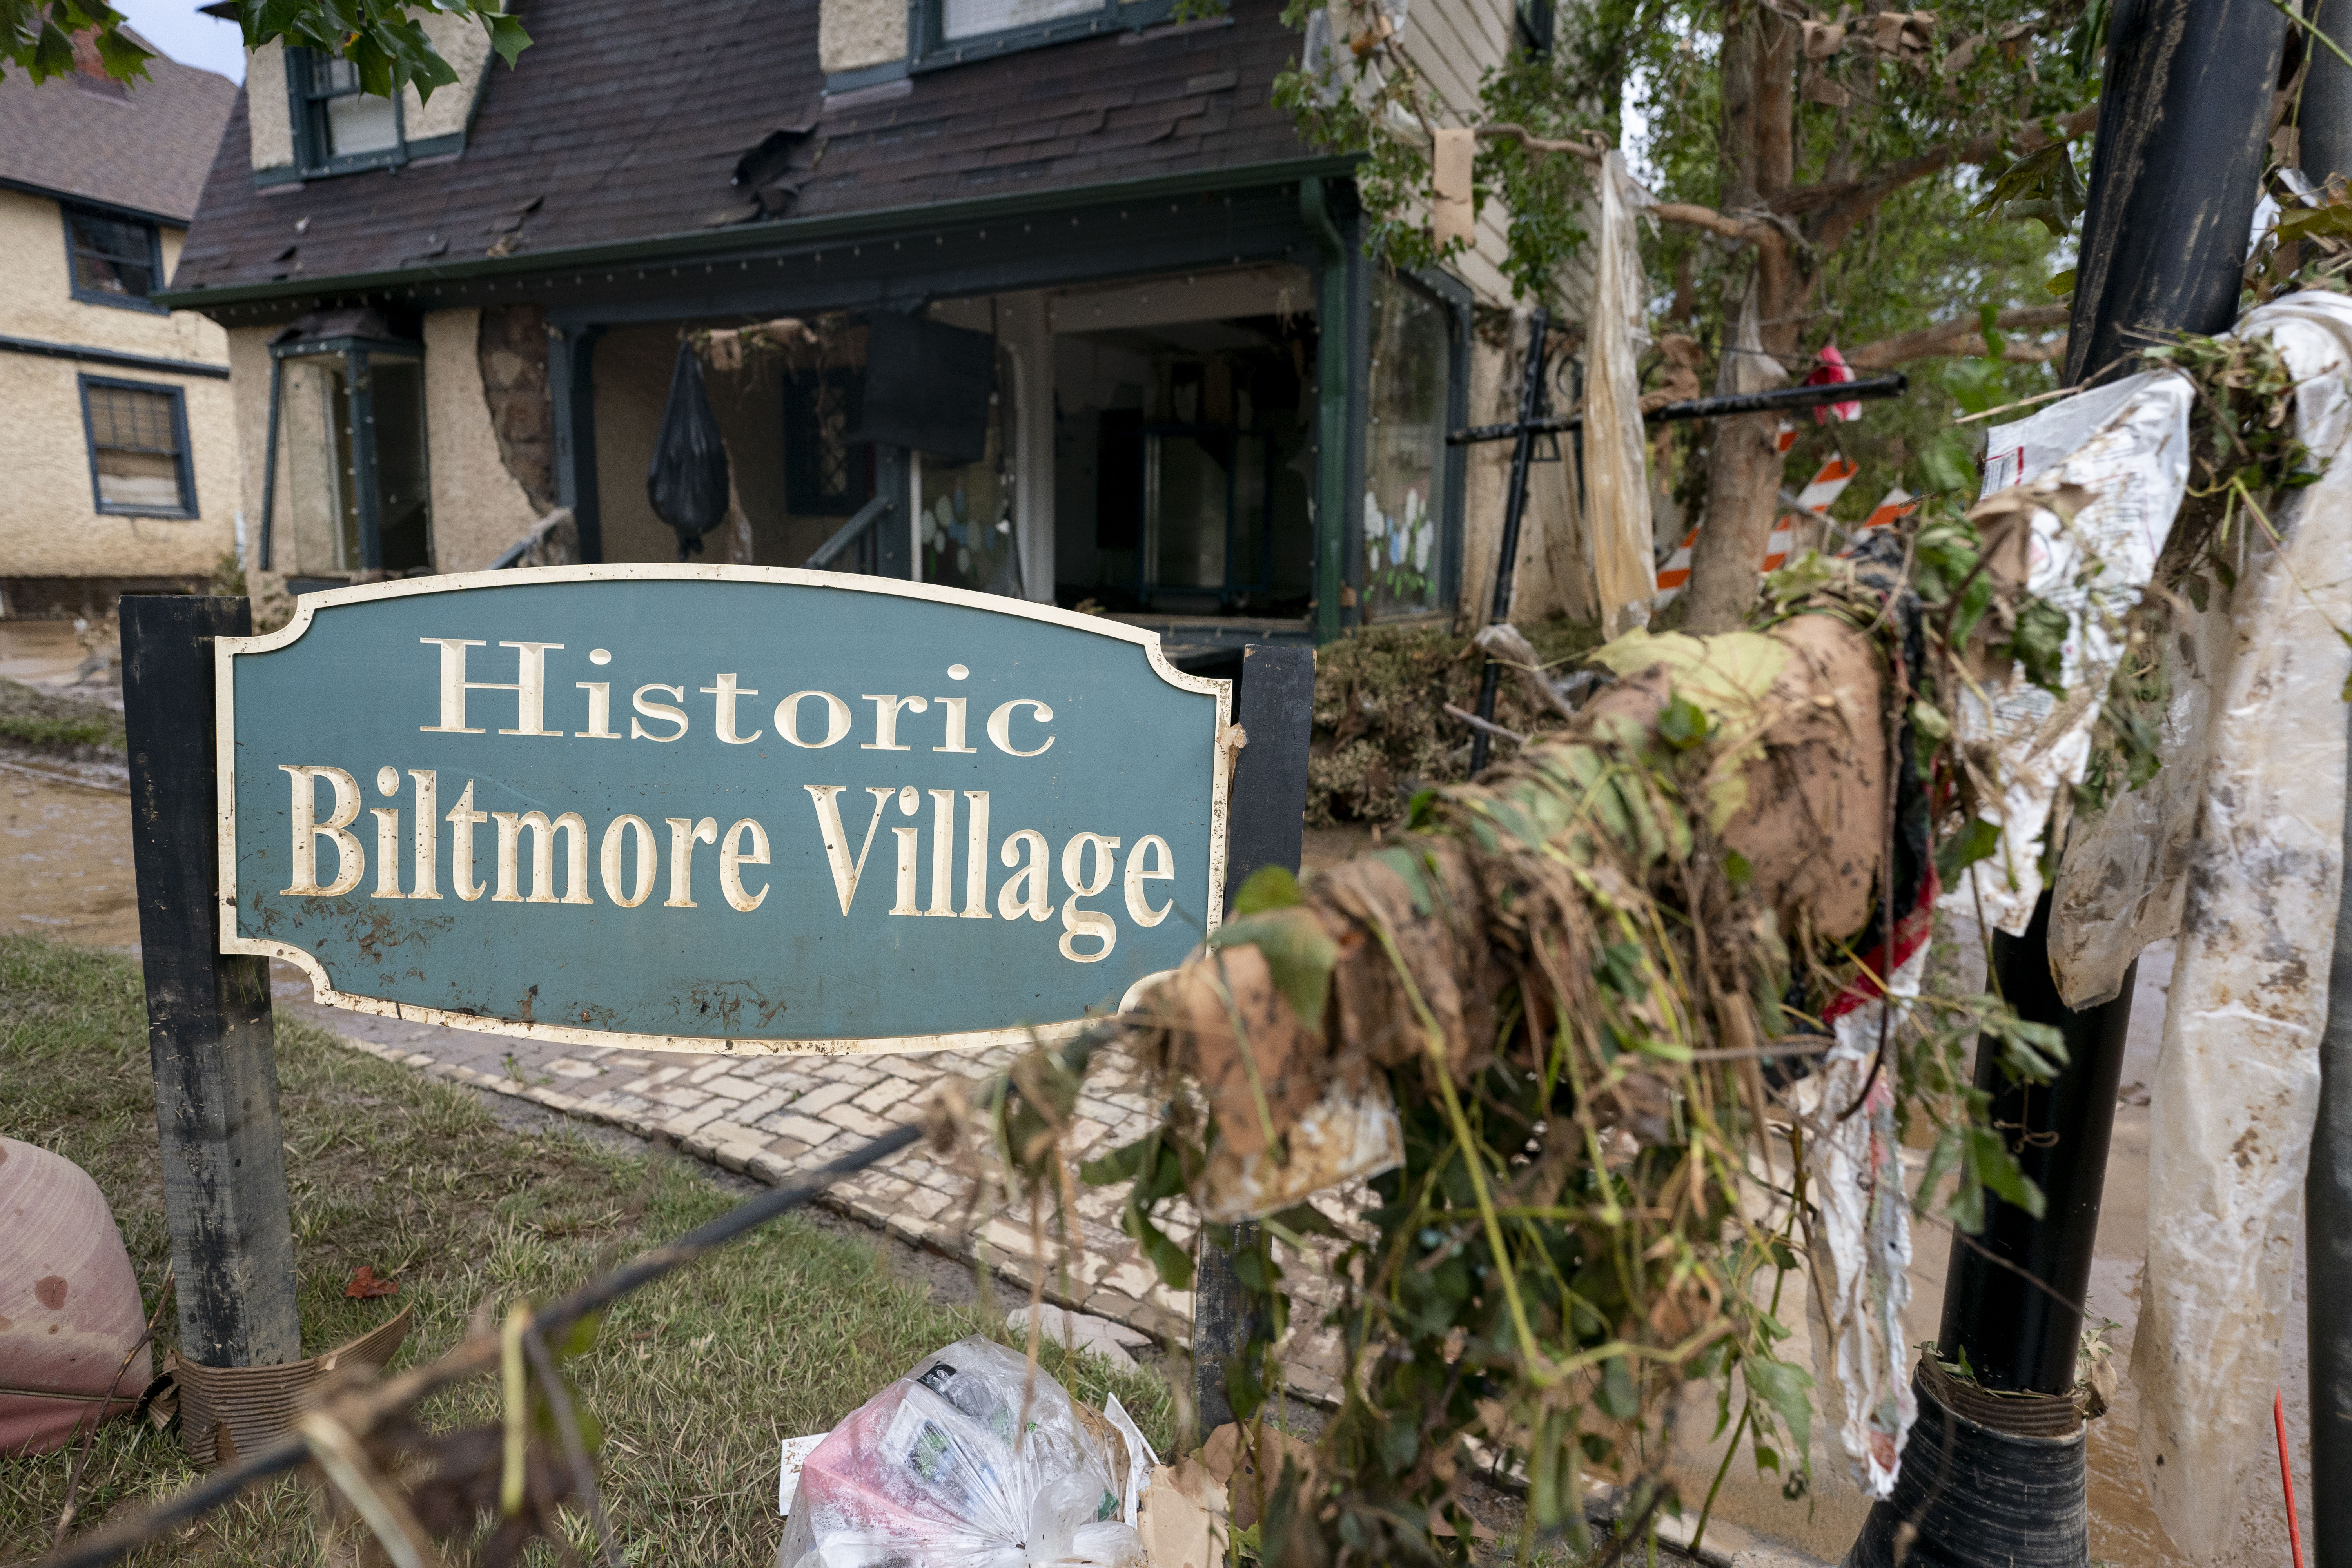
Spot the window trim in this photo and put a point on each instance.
(355, 352)
(1454, 298)
(65, 210)
(929, 49)
(312, 156)
(188, 509)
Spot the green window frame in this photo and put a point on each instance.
(325, 103)
(113, 257)
(930, 47)
(136, 435)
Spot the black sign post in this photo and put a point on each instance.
(1266, 825)
(208, 1021)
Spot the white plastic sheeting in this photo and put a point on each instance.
(2128, 444)
(2238, 845)
(1861, 1239)
(1616, 480)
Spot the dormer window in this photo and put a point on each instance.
(950, 32)
(338, 126)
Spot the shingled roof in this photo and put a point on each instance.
(628, 122)
(144, 145)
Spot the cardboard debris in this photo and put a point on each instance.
(1247, 1462)
(1183, 1522)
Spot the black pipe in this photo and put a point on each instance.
(2327, 1255)
(1515, 506)
(2184, 118)
(2012, 1296)
(1785, 398)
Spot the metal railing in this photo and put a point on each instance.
(858, 539)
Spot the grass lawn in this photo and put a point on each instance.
(695, 1379)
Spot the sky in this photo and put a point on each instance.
(176, 28)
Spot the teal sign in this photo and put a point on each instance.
(718, 808)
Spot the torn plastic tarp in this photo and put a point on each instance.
(1616, 480)
(2241, 850)
(2128, 444)
(1861, 1235)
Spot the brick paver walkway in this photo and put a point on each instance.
(773, 1118)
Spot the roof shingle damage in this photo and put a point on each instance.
(613, 130)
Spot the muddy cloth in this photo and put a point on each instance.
(2237, 846)
(687, 483)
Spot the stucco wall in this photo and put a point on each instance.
(265, 108)
(49, 523)
(464, 43)
(851, 34)
(478, 510)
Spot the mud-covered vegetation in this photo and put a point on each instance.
(1381, 732)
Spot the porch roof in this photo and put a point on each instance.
(613, 132)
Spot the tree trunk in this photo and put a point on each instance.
(1758, 75)
(1743, 483)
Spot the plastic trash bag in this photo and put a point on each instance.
(688, 481)
(930, 1473)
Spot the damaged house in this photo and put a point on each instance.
(1042, 297)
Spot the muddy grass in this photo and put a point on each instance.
(696, 1380)
(60, 726)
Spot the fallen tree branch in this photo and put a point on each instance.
(1964, 335)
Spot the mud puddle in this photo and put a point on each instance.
(65, 860)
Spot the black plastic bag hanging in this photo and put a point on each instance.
(688, 481)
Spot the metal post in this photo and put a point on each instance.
(2184, 113)
(1266, 825)
(1515, 506)
(208, 1020)
(571, 384)
(2012, 1300)
(2327, 1254)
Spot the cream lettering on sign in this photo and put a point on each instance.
(529, 687)
(943, 806)
(600, 711)
(885, 721)
(846, 871)
(723, 697)
(658, 711)
(975, 856)
(909, 803)
(1149, 861)
(387, 835)
(1031, 892)
(685, 833)
(465, 819)
(543, 856)
(955, 707)
(1078, 922)
(426, 865)
(732, 860)
(350, 862)
(836, 720)
(999, 726)
(609, 859)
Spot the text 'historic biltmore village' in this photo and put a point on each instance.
(634, 859)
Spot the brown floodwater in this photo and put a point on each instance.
(65, 860)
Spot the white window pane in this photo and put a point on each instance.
(973, 19)
(357, 123)
(147, 479)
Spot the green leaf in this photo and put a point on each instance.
(1684, 724)
(580, 1338)
(1306, 1219)
(507, 36)
(1119, 1164)
(1299, 954)
(1616, 1396)
(1269, 888)
(2043, 187)
(1787, 1389)
(1173, 1264)
(1929, 720)
(1989, 325)
(1963, 850)
(1986, 1157)
(2060, 284)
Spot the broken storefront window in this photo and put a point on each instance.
(1404, 503)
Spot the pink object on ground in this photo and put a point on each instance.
(70, 1304)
